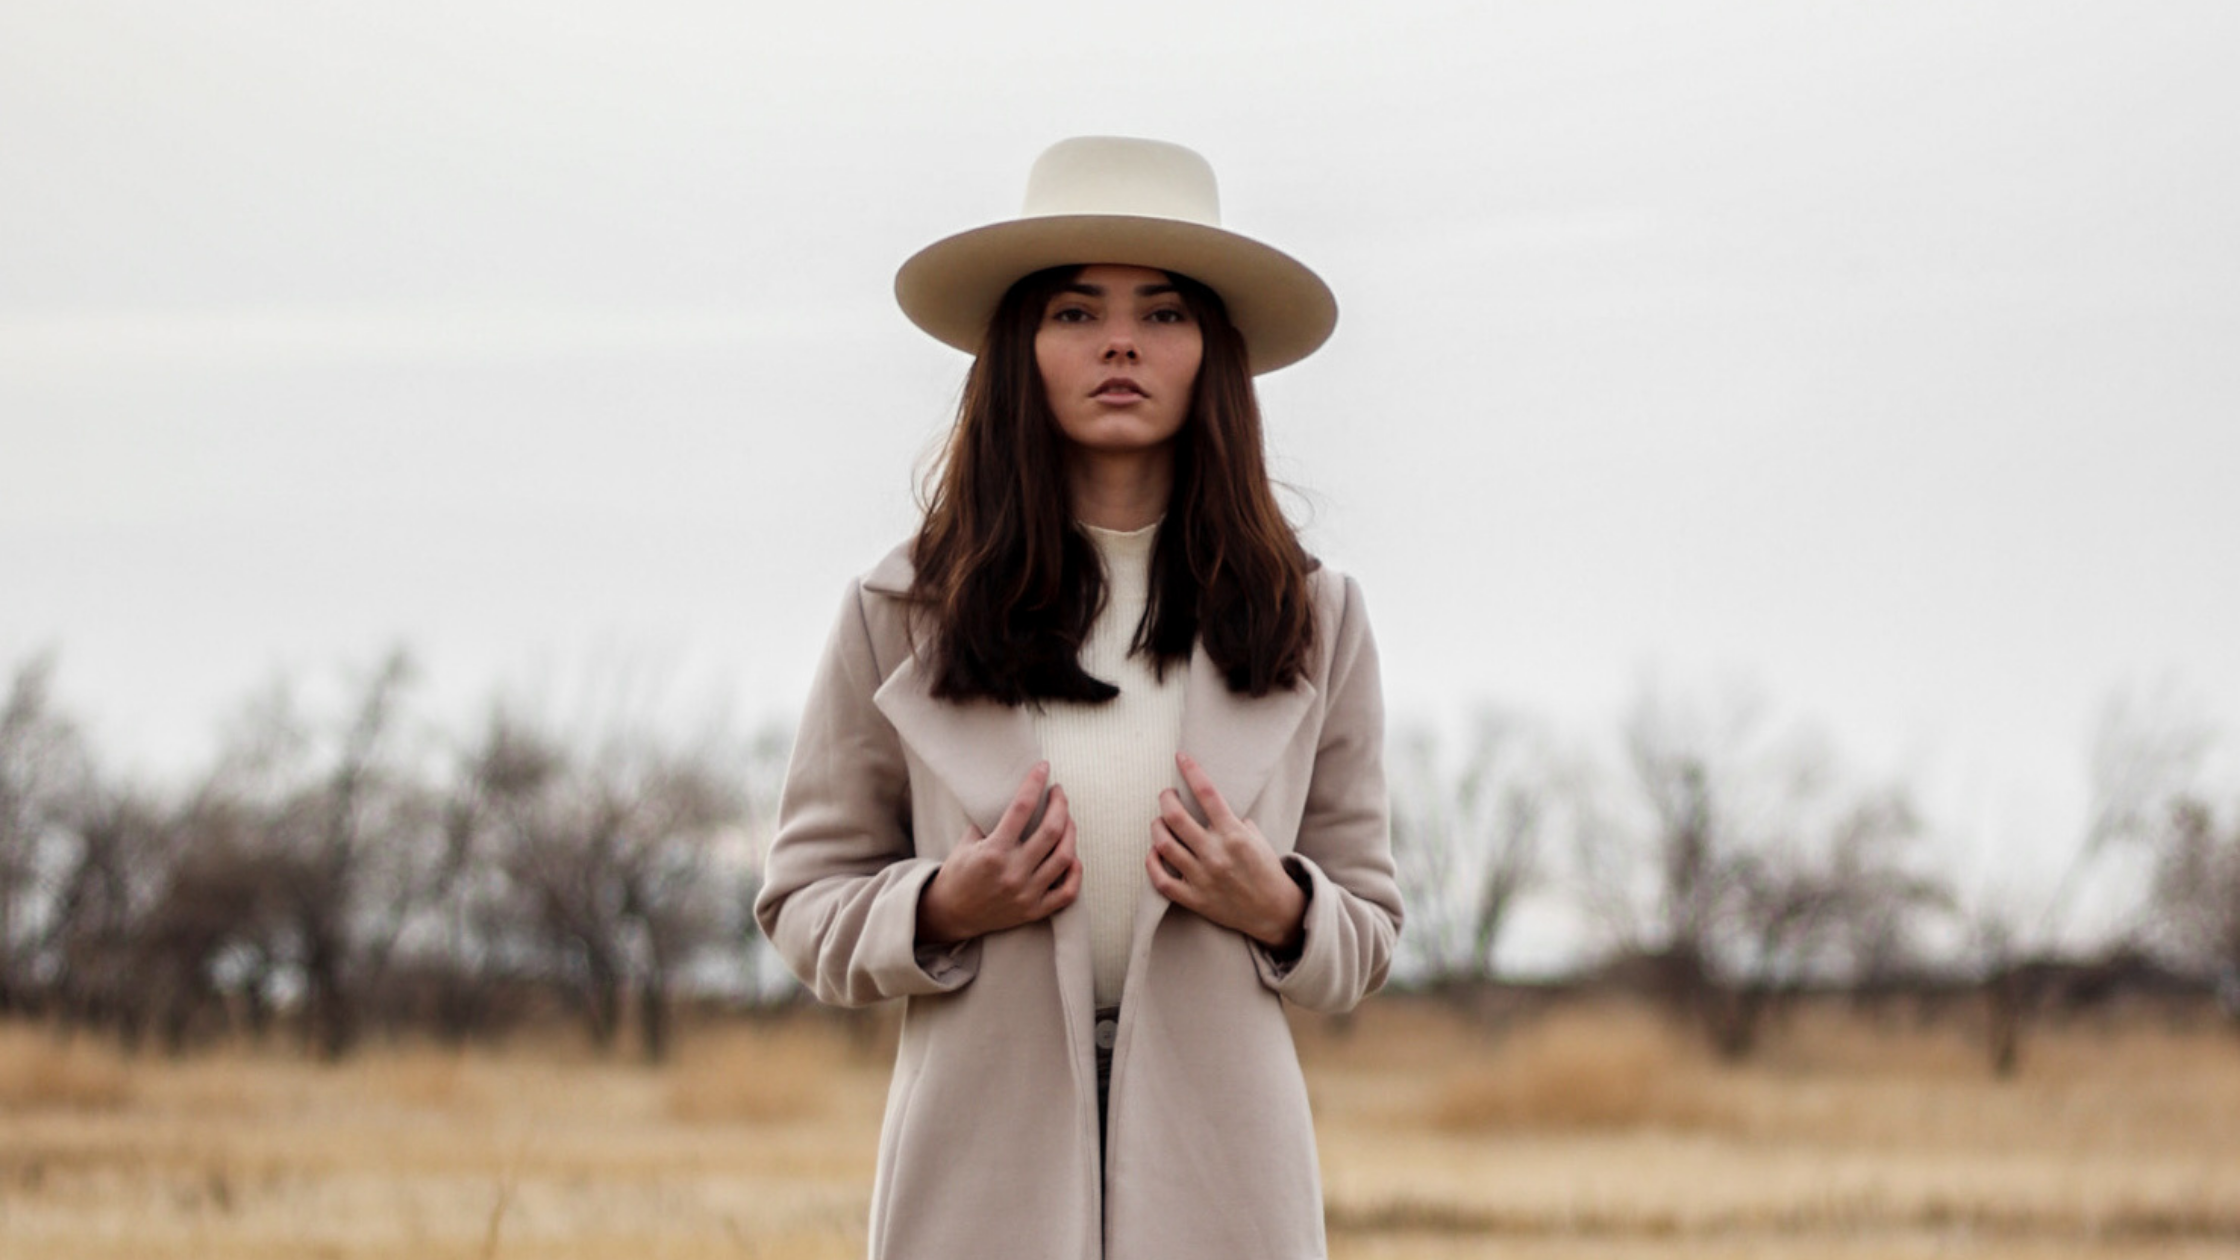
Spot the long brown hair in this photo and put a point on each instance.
(1010, 587)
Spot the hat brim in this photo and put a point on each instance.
(1284, 311)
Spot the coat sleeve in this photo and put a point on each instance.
(840, 888)
(1343, 855)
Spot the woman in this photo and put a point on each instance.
(1090, 774)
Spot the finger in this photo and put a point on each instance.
(1178, 819)
(1013, 824)
(1201, 786)
(1167, 884)
(1053, 866)
(1057, 816)
(1063, 895)
(1178, 856)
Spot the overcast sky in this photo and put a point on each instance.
(1880, 357)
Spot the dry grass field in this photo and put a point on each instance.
(1581, 1133)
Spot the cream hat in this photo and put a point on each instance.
(1110, 199)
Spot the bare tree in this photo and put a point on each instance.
(342, 831)
(2197, 895)
(1468, 831)
(217, 929)
(360, 844)
(111, 883)
(609, 858)
(2144, 758)
(1830, 901)
(43, 767)
(1750, 870)
(478, 945)
(678, 806)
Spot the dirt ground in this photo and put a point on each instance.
(1587, 1132)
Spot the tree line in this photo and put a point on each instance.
(362, 872)
(1727, 867)
(357, 870)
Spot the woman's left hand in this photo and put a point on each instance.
(1223, 869)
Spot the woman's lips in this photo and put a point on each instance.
(1118, 389)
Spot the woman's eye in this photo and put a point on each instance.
(1170, 315)
(1068, 315)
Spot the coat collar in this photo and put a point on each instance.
(893, 574)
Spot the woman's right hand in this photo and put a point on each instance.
(1008, 876)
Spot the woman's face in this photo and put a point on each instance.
(1119, 356)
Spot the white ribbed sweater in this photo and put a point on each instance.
(1115, 758)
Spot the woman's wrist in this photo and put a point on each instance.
(934, 927)
(1286, 929)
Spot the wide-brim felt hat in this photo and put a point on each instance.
(1114, 199)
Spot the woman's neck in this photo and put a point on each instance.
(1121, 490)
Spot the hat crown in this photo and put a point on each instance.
(1121, 175)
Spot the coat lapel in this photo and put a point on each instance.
(980, 750)
(1238, 740)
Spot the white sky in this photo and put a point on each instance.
(1881, 355)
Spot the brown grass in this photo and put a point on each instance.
(755, 1074)
(1589, 1131)
(39, 1071)
(1583, 1069)
(1603, 1128)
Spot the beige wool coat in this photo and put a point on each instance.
(990, 1144)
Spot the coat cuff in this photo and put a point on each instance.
(1342, 958)
(907, 967)
(1275, 968)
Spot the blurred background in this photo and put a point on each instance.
(1787, 451)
